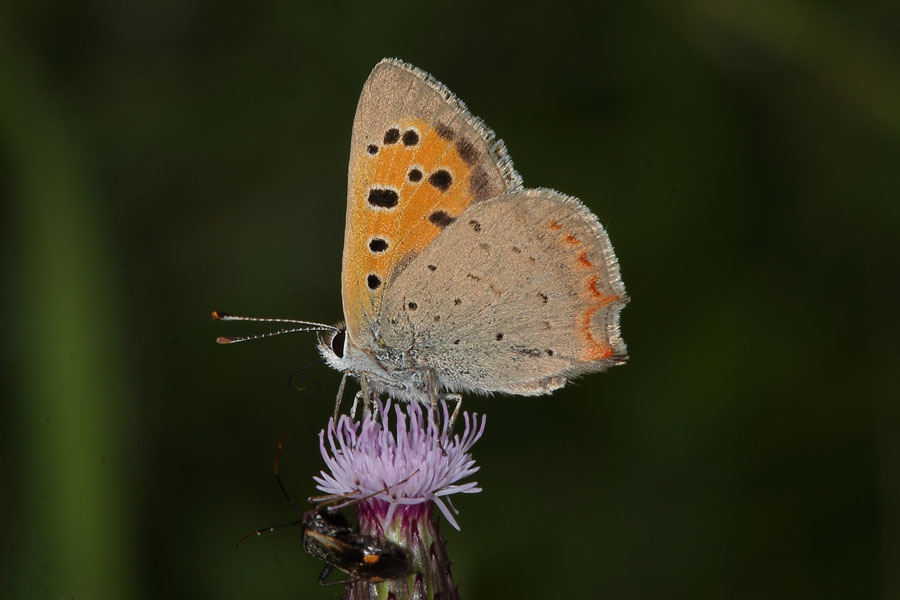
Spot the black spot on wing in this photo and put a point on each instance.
(410, 138)
(441, 219)
(391, 135)
(383, 197)
(441, 179)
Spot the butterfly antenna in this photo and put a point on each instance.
(307, 326)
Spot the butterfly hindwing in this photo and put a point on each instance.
(521, 292)
(418, 160)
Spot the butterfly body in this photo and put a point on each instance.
(456, 278)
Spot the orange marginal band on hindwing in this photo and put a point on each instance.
(418, 159)
(595, 349)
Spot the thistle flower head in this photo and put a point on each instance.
(415, 462)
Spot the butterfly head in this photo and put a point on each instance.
(341, 354)
(332, 346)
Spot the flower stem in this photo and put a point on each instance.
(415, 527)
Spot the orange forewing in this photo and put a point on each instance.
(424, 206)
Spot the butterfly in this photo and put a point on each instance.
(455, 277)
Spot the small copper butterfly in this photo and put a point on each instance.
(455, 277)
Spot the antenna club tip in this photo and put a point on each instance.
(218, 315)
(224, 340)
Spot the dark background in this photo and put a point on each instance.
(161, 159)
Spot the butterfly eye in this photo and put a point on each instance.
(337, 343)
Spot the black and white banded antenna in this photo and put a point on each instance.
(304, 326)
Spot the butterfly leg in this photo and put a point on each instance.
(433, 401)
(435, 396)
(458, 398)
(340, 396)
(356, 398)
(375, 415)
(367, 399)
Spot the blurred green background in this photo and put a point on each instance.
(161, 159)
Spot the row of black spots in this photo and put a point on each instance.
(440, 179)
(410, 137)
(534, 352)
(376, 246)
(475, 225)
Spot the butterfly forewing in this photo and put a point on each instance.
(418, 160)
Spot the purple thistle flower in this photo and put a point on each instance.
(401, 473)
(417, 463)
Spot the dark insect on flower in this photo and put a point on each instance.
(328, 536)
